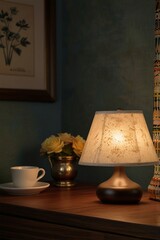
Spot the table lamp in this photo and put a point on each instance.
(119, 139)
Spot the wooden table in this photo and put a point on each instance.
(76, 214)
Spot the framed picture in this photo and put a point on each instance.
(27, 50)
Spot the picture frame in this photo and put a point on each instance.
(14, 86)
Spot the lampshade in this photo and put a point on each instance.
(119, 138)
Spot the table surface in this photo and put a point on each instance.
(79, 206)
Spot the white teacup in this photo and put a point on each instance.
(26, 176)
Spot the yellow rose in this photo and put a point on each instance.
(52, 145)
(78, 144)
(66, 137)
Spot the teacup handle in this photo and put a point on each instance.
(42, 173)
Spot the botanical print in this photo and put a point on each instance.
(16, 39)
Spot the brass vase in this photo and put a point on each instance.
(63, 170)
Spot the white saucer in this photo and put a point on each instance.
(11, 189)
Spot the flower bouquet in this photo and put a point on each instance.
(63, 152)
(62, 144)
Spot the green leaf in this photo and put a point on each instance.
(67, 149)
(5, 29)
(3, 14)
(24, 42)
(11, 36)
(17, 50)
(22, 24)
(13, 10)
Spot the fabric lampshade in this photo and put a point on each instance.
(118, 138)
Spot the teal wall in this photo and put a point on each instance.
(105, 55)
(108, 55)
(23, 126)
